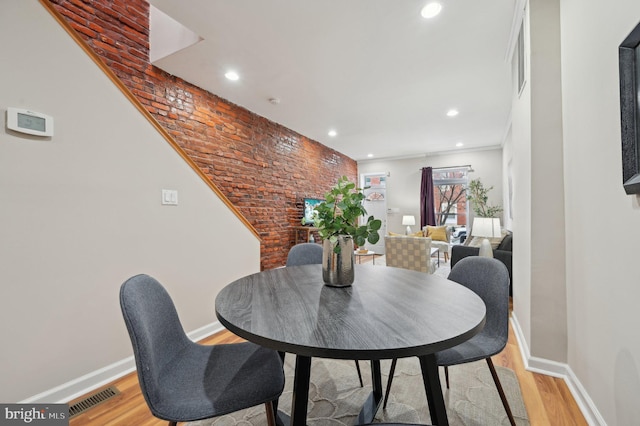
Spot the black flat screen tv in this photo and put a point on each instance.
(309, 205)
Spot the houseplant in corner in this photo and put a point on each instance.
(484, 226)
(477, 194)
(337, 221)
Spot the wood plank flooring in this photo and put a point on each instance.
(547, 399)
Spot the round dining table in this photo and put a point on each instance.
(386, 313)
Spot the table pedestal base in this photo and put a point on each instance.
(300, 398)
(433, 389)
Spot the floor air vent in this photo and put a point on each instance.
(92, 400)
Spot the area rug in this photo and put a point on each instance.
(336, 396)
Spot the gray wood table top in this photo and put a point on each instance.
(386, 313)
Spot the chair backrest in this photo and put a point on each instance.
(489, 279)
(154, 328)
(304, 254)
(408, 252)
(447, 231)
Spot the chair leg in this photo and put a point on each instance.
(173, 423)
(359, 374)
(389, 380)
(501, 392)
(446, 375)
(271, 415)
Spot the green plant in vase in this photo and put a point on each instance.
(339, 213)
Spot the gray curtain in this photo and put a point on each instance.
(427, 211)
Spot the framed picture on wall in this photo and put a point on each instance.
(629, 64)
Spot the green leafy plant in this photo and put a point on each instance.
(477, 194)
(339, 213)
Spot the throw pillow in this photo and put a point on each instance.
(437, 233)
(415, 234)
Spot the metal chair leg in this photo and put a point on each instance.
(389, 380)
(359, 374)
(503, 397)
(446, 375)
(271, 415)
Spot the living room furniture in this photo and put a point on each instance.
(488, 278)
(503, 253)
(183, 381)
(304, 230)
(360, 254)
(291, 310)
(436, 251)
(409, 253)
(442, 239)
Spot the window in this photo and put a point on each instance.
(450, 195)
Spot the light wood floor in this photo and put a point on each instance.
(547, 399)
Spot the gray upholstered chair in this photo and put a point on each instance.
(489, 279)
(184, 381)
(311, 254)
(304, 254)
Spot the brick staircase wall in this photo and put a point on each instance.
(263, 168)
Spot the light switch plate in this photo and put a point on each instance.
(169, 197)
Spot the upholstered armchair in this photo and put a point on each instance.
(409, 253)
(440, 238)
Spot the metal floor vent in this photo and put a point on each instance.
(92, 400)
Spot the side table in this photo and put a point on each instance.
(359, 255)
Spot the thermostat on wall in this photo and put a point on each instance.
(29, 122)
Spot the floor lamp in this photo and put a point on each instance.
(486, 227)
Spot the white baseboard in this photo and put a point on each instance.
(103, 376)
(560, 370)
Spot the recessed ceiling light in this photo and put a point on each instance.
(431, 10)
(452, 113)
(332, 133)
(459, 144)
(232, 75)
(369, 155)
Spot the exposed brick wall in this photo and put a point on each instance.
(263, 168)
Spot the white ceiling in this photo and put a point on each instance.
(374, 70)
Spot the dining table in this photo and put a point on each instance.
(386, 313)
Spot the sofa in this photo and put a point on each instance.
(503, 252)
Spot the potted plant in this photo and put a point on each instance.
(337, 221)
(477, 194)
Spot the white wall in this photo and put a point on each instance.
(403, 183)
(519, 148)
(594, 293)
(548, 284)
(81, 213)
(602, 222)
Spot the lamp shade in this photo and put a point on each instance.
(408, 220)
(487, 227)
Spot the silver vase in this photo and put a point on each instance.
(338, 268)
